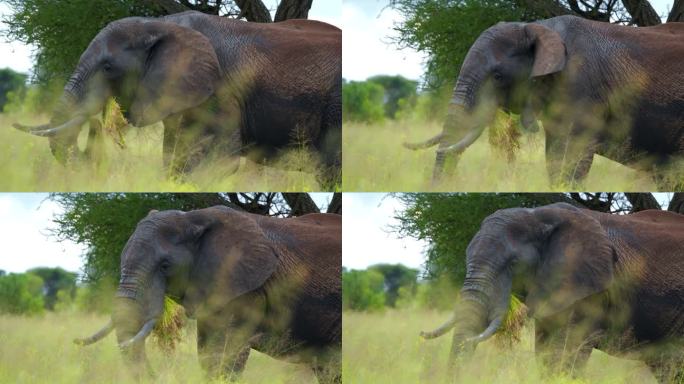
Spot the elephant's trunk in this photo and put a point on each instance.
(73, 109)
(470, 111)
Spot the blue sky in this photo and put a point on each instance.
(17, 55)
(367, 238)
(25, 241)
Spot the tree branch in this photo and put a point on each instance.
(677, 12)
(642, 12)
(253, 10)
(677, 203)
(335, 205)
(642, 201)
(293, 9)
(300, 203)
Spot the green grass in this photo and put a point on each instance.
(40, 350)
(375, 160)
(386, 348)
(28, 165)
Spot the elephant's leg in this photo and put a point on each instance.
(222, 352)
(171, 130)
(329, 146)
(568, 159)
(444, 163)
(328, 367)
(186, 143)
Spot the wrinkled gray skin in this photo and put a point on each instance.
(584, 276)
(598, 88)
(222, 87)
(252, 282)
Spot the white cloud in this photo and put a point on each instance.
(366, 47)
(366, 240)
(24, 242)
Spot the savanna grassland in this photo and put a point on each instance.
(40, 350)
(28, 165)
(375, 160)
(386, 348)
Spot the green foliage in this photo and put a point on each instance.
(363, 101)
(62, 30)
(55, 281)
(105, 221)
(21, 293)
(95, 297)
(445, 30)
(448, 221)
(363, 290)
(399, 93)
(12, 85)
(396, 277)
(439, 293)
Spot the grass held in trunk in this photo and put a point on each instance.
(168, 330)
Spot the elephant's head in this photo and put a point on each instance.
(186, 256)
(152, 68)
(497, 73)
(558, 253)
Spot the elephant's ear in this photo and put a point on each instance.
(576, 260)
(549, 50)
(233, 249)
(181, 71)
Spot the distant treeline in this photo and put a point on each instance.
(383, 286)
(387, 97)
(48, 289)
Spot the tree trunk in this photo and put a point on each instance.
(335, 205)
(293, 9)
(677, 12)
(642, 12)
(300, 204)
(642, 201)
(167, 7)
(677, 203)
(254, 11)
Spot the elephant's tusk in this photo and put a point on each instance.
(491, 329)
(144, 332)
(47, 131)
(464, 143)
(99, 335)
(444, 328)
(431, 142)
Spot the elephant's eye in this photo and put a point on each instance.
(165, 266)
(497, 76)
(107, 67)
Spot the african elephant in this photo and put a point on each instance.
(220, 86)
(588, 279)
(598, 88)
(251, 281)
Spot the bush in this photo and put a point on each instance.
(21, 293)
(363, 101)
(363, 290)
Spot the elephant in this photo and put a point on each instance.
(588, 279)
(597, 88)
(220, 86)
(250, 281)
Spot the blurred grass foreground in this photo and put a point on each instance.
(375, 160)
(39, 349)
(28, 165)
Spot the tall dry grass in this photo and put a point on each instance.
(40, 350)
(375, 160)
(386, 348)
(26, 164)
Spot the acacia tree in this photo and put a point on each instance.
(445, 29)
(61, 30)
(448, 221)
(104, 221)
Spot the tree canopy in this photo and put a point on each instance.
(105, 221)
(61, 30)
(448, 221)
(445, 29)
